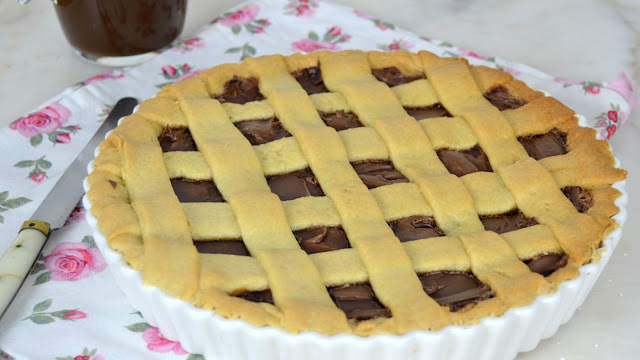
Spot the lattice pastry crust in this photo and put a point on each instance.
(132, 196)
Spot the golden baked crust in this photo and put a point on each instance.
(139, 213)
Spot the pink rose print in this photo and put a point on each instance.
(48, 121)
(110, 75)
(589, 87)
(63, 138)
(158, 343)
(188, 75)
(44, 121)
(39, 170)
(38, 177)
(169, 70)
(86, 355)
(194, 42)
(174, 73)
(189, 45)
(593, 89)
(363, 14)
(607, 122)
(106, 110)
(309, 45)
(242, 16)
(330, 39)
(77, 215)
(566, 82)
(468, 53)
(41, 316)
(511, 71)
(5, 356)
(245, 17)
(396, 45)
(622, 85)
(73, 261)
(89, 357)
(74, 315)
(301, 8)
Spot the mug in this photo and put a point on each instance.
(120, 32)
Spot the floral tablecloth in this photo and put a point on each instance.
(70, 306)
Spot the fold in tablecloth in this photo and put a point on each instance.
(70, 303)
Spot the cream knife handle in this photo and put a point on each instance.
(16, 262)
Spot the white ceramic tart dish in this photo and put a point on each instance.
(355, 205)
(203, 332)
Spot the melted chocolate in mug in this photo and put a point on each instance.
(120, 27)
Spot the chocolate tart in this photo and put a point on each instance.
(335, 196)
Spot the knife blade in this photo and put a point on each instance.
(16, 262)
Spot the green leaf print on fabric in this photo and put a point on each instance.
(245, 18)
(41, 317)
(245, 51)
(7, 204)
(38, 173)
(85, 355)
(138, 327)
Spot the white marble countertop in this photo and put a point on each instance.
(576, 39)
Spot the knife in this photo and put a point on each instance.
(16, 262)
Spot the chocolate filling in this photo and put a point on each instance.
(393, 77)
(340, 120)
(415, 228)
(378, 173)
(510, 221)
(545, 265)
(581, 198)
(311, 80)
(257, 296)
(426, 112)
(227, 247)
(454, 289)
(541, 146)
(177, 139)
(240, 91)
(260, 132)
(500, 98)
(358, 302)
(295, 185)
(321, 239)
(464, 162)
(196, 191)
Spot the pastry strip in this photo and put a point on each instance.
(165, 230)
(260, 217)
(361, 218)
(461, 97)
(529, 182)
